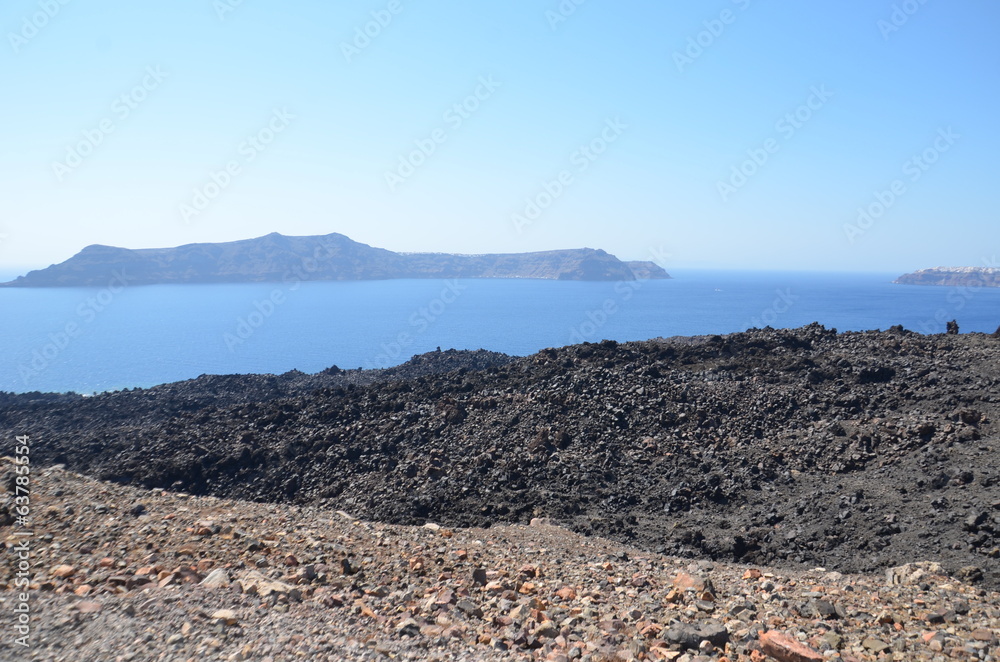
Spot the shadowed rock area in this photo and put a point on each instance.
(853, 451)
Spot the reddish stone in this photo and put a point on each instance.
(786, 649)
(63, 571)
(684, 581)
(566, 593)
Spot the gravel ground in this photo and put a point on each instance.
(122, 573)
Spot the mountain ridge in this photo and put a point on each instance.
(277, 258)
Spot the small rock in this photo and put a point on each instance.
(408, 628)
(218, 578)
(785, 649)
(227, 616)
(874, 645)
(258, 583)
(63, 571)
(823, 609)
(469, 607)
(566, 593)
(685, 581)
(684, 635)
(714, 632)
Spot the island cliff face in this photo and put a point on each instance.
(275, 258)
(953, 276)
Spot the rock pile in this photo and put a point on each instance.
(797, 448)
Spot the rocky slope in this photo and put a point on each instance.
(277, 258)
(853, 451)
(122, 574)
(953, 277)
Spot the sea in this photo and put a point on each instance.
(90, 340)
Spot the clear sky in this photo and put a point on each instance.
(732, 133)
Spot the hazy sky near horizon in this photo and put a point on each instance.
(732, 133)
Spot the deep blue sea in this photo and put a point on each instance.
(91, 340)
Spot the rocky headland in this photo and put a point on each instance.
(953, 277)
(277, 258)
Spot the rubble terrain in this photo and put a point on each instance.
(789, 449)
(852, 451)
(123, 574)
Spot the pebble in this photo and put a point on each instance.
(227, 616)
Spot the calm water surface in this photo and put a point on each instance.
(91, 339)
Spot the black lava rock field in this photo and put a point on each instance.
(852, 451)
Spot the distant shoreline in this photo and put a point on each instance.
(953, 277)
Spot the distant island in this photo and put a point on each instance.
(953, 276)
(277, 258)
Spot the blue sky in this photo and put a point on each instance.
(636, 127)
